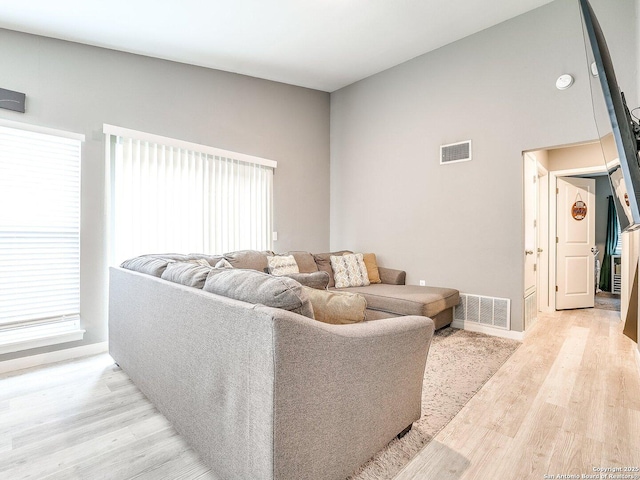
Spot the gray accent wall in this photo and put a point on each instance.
(461, 225)
(77, 88)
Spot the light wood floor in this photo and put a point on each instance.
(568, 400)
(85, 420)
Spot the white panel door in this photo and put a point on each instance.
(576, 239)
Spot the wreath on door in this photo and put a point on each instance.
(579, 209)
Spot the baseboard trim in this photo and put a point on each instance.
(52, 357)
(496, 332)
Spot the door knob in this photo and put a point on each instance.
(540, 250)
(528, 252)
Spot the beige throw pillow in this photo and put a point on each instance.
(372, 267)
(282, 265)
(337, 308)
(349, 270)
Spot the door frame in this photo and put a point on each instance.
(530, 156)
(543, 239)
(553, 231)
(542, 229)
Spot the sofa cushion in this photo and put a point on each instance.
(305, 261)
(317, 280)
(282, 264)
(249, 259)
(371, 263)
(408, 299)
(323, 261)
(259, 288)
(349, 270)
(211, 259)
(198, 261)
(222, 263)
(187, 273)
(150, 264)
(338, 308)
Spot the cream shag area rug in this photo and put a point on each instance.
(459, 364)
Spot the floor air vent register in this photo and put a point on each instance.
(489, 311)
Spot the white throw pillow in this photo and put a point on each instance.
(282, 265)
(349, 270)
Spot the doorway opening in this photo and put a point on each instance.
(565, 218)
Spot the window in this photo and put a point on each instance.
(173, 196)
(39, 237)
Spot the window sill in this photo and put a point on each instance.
(25, 338)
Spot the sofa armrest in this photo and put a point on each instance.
(344, 391)
(391, 276)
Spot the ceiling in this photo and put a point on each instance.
(319, 44)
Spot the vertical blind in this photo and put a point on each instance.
(171, 199)
(39, 227)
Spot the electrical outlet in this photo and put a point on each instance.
(423, 283)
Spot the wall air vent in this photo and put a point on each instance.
(488, 311)
(455, 152)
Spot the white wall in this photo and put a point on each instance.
(78, 88)
(461, 225)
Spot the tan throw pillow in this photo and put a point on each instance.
(282, 265)
(349, 270)
(372, 267)
(338, 308)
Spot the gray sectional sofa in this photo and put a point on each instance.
(391, 298)
(263, 392)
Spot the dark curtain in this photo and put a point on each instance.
(610, 247)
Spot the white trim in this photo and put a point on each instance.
(44, 130)
(496, 332)
(53, 357)
(150, 137)
(20, 338)
(543, 238)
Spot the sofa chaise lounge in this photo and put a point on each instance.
(391, 298)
